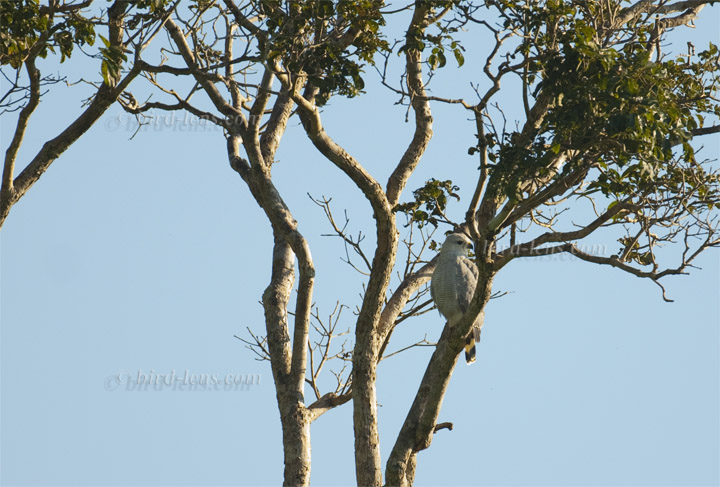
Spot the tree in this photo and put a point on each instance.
(36, 31)
(607, 119)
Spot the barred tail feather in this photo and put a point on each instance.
(470, 350)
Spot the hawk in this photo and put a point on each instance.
(453, 284)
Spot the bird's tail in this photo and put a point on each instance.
(470, 351)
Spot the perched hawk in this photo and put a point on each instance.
(453, 284)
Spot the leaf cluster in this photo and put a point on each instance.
(440, 42)
(623, 105)
(429, 203)
(329, 42)
(27, 26)
(607, 100)
(113, 58)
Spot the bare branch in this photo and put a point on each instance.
(421, 343)
(651, 7)
(258, 345)
(222, 106)
(327, 402)
(349, 241)
(442, 426)
(528, 248)
(419, 102)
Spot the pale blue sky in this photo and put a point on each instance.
(150, 254)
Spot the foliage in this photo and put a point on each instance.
(430, 203)
(112, 62)
(28, 26)
(620, 108)
(304, 35)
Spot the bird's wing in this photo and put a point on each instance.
(433, 292)
(432, 288)
(473, 269)
(467, 275)
(480, 319)
(439, 289)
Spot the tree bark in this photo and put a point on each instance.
(417, 430)
(295, 422)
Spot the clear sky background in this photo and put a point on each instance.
(132, 256)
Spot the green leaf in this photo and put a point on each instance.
(459, 57)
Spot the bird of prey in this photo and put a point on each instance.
(453, 284)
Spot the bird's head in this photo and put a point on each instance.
(456, 244)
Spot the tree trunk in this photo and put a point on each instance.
(416, 432)
(365, 423)
(296, 442)
(368, 467)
